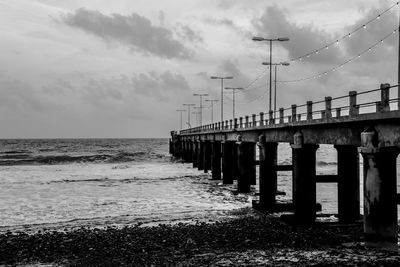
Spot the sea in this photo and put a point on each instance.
(69, 183)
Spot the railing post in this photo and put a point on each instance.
(338, 112)
(261, 118)
(354, 108)
(294, 111)
(253, 120)
(328, 107)
(235, 122)
(384, 105)
(222, 126)
(230, 124)
(246, 125)
(309, 110)
(271, 117)
(281, 119)
(219, 125)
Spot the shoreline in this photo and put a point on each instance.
(252, 239)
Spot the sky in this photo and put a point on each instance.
(121, 69)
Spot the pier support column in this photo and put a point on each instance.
(246, 165)
(200, 156)
(304, 186)
(216, 160)
(227, 162)
(177, 148)
(195, 152)
(267, 172)
(380, 191)
(207, 156)
(349, 183)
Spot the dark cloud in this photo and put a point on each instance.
(135, 31)
(303, 39)
(188, 34)
(373, 33)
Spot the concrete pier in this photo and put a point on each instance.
(351, 129)
(227, 161)
(207, 156)
(348, 163)
(216, 160)
(200, 156)
(195, 153)
(267, 172)
(380, 191)
(246, 165)
(304, 186)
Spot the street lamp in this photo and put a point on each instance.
(197, 115)
(212, 108)
(201, 107)
(233, 93)
(275, 64)
(181, 111)
(222, 93)
(270, 40)
(188, 107)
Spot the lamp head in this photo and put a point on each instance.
(257, 38)
(282, 39)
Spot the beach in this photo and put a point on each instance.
(112, 202)
(252, 239)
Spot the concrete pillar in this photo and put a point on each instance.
(207, 156)
(246, 165)
(227, 162)
(235, 123)
(195, 153)
(240, 122)
(246, 121)
(216, 160)
(328, 107)
(171, 147)
(294, 111)
(253, 120)
(235, 170)
(304, 186)
(267, 172)
(261, 118)
(349, 183)
(380, 191)
(189, 151)
(200, 156)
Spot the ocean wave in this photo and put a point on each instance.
(325, 163)
(120, 157)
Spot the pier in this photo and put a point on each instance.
(370, 129)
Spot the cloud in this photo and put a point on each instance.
(135, 31)
(274, 22)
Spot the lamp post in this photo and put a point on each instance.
(181, 111)
(197, 115)
(188, 108)
(222, 93)
(275, 64)
(212, 108)
(201, 106)
(233, 93)
(270, 40)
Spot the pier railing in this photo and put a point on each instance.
(329, 108)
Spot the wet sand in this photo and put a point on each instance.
(252, 239)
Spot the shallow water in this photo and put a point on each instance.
(100, 182)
